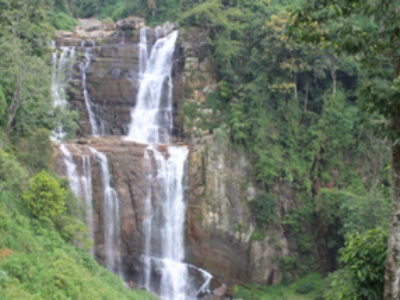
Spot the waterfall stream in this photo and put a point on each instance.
(152, 116)
(63, 66)
(89, 107)
(81, 186)
(111, 215)
(88, 195)
(164, 226)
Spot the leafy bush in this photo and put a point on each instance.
(263, 209)
(74, 232)
(45, 198)
(63, 21)
(305, 288)
(364, 258)
(36, 151)
(12, 175)
(289, 263)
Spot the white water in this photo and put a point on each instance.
(63, 66)
(88, 195)
(171, 218)
(147, 226)
(72, 172)
(164, 225)
(152, 113)
(89, 107)
(111, 216)
(81, 186)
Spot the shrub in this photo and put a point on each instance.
(45, 198)
(62, 21)
(74, 232)
(36, 151)
(263, 209)
(12, 175)
(289, 263)
(305, 288)
(363, 276)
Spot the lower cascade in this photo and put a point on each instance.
(164, 229)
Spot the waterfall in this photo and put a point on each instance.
(164, 224)
(72, 172)
(81, 186)
(153, 112)
(89, 107)
(88, 195)
(147, 225)
(63, 66)
(143, 52)
(171, 219)
(111, 216)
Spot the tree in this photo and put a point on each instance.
(25, 82)
(12, 175)
(44, 197)
(370, 31)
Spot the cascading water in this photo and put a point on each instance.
(63, 67)
(163, 228)
(153, 112)
(88, 195)
(81, 186)
(111, 214)
(89, 107)
(72, 172)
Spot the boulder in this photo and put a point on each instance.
(90, 24)
(221, 291)
(130, 23)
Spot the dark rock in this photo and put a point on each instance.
(130, 23)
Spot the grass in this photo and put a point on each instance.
(36, 264)
(310, 284)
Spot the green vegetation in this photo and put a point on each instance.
(40, 256)
(307, 288)
(263, 209)
(364, 258)
(35, 263)
(155, 11)
(301, 115)
(44, 197)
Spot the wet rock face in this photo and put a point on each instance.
(113, 74)
(128, 170)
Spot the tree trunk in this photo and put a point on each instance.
(334, 80)
(295, 86)
(392, 266)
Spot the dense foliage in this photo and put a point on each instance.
(364, 259)
(44, 197)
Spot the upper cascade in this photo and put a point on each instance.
(152, 116)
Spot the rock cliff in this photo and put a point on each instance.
(220, 227)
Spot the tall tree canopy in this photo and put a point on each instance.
(370, 31)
